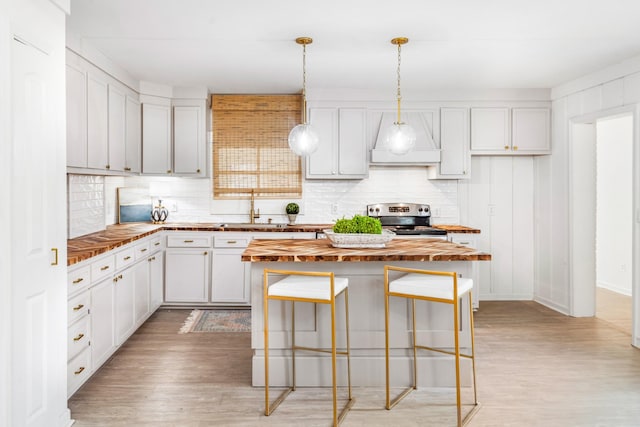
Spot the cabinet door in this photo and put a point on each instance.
(352, 151)
(116, 129)
(531, 130)
(124, 291)
(133, 135)
(229, 276)
(156, 280)
(454, 142)
(187, 275)
(97, 123)
(187, 138)
(76, 117)
(490, 130)
(141, 292)
(322, 163)
(103, 342)
(156, 139)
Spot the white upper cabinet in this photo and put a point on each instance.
(510, 131)
(117, 128)
(76, 117)
(455, 158)
(342, 153)
(156, 139)
(174, 143)
(103, 120)
(189, 142)
(531, 130)
(133, 135)
(97, 122)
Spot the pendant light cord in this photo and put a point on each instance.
(304, 83)
(399, 94)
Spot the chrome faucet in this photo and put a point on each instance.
(253, 213)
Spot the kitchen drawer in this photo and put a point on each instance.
(189, 241)
(78, 307)
(142, 250)
(103, 268)
(124, 258)
(155, 244)
(78, 279)
(231, 241)
(78, 370)
(78, 337)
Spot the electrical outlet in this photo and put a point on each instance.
(174, 207)
(334, 208)
(435, 212)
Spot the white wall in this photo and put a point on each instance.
(614, 208)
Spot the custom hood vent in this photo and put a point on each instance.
(425, 151)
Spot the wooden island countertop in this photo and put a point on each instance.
(398, 249)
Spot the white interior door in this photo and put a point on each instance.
(38, 252)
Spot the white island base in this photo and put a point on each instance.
(366, 317)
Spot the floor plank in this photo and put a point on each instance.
(536, 367)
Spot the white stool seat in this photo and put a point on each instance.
(430, 286)
(308, 287)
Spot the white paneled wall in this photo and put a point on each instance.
(323, 201)
(86, 197)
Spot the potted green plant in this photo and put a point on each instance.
(292, 210)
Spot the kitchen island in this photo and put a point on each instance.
(364, 268)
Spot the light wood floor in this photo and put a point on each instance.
(614, 308)
(536, 367)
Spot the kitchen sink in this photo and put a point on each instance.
(232, 225)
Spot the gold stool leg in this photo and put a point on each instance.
(346, 312)
(457, 358)
(333, 362)
(267, 412)
(293, 344)
(473, 349)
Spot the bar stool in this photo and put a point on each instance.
(436, 286)
(318, 288)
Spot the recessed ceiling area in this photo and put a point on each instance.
(247, 46)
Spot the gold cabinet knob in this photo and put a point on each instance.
(515, 147)
(506, 147)
(78, 338)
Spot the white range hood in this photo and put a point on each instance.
(425, 151)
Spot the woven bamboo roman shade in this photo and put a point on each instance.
(250, 149)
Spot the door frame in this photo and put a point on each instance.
(582, 216)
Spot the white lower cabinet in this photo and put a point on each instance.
(124, 289)
(229, 277)
(103, 342)
(108, 299)
(187, 275)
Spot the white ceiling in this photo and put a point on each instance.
(247, 46)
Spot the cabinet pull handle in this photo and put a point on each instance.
(152, 259)
(78, 307)
(55, 252)
(79, 337)
(120, 276)
(205, 253)
(515, 147)
(156, 244)
(106, 267)
(197, 170)
(115, 280)
(143, 250)
(79, 371)
(108, 167)
(463, 243)
(127, 169)
(168, 170)
(506, 147)
(75, 282)
(231, 242)
(188, 241)
(127, 258)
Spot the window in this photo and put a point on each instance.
(250, 149)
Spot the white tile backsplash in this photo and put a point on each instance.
(190, 199)
(86, 208)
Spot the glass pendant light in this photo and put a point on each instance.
(399, 137)
(303, 139)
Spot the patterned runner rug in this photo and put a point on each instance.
(217, 321)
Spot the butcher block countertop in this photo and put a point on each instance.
(397, 249)
(90, 245)
(453, 228)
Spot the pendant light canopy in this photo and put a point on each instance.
(303, 139)
(400, 137)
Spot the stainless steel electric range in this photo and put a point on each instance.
(406, 219)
